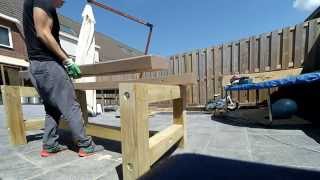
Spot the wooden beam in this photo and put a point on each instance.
(104, 131)
(81, 97)
(28, 92)
(161, 142)
(264, 76)
(131, 65)
(13, 112)
(37, 124)
(156, 93)
(180, 114)
(34, 124)
(134, 131)
(185, 79)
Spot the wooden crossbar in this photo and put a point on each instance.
(161, 142)
(185, 79)
(104, 131)
(28, 92)
(138, 64)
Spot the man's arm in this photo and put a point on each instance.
(43, 25)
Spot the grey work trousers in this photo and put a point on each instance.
(57, 92)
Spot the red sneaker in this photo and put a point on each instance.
(90, 150)
(46, 152)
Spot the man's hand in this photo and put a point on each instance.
(72, 69)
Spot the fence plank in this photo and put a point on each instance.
(275, 50)
(202, 75)
(264, 52)
(195, 68)
(210, 82)
(189, 70)
(226, 65)
(300, 44)
(217, 70)
(235, 66)
(244, 66)
(287, 48)
(253, 65)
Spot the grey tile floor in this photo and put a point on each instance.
(233, 137)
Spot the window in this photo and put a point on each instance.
(5, 37)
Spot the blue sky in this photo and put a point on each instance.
(184, 25)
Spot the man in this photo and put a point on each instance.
(50, 68)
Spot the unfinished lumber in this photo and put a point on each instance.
(28, 92)
(104, 131)
(161, 142)
(132, 65)
(185, 79)
(180, 113)
(157, 93)
(14, 118)
(138, 64)
(134, 131)
(81, 96)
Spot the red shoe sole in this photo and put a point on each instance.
(83, 154)
(45, 153)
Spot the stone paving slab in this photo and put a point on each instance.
(293, 146)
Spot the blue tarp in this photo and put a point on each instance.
(301, 79)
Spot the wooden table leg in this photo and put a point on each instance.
(179, 113)
(14, 118)
(134, 131)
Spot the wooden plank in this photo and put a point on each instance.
(287, 48)
(235, 58)
(157, 93)
(244, 67)
(235, 66)
(312, 57)
(266, 76)
(253, 65)
(185, 79)
(202, 78)
(195, 70)
(217, 69)
(104, 131)
(300, 45)
(180, 114)
(13, 113)
(264, 53)
(209, 66)
(82, 99)
(176, 65)
(171, 66)
(160, 143)
(227, 60)
(34, 124)
(181, 64)
(28, 92)
(189, 70)
(264, 62)
(134, 131)
(131, 65)
(254, 53)
(275, 50)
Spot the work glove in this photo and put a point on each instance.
(72, 69)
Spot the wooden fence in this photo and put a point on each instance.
(278, 50)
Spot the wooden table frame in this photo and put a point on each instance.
(139, 151)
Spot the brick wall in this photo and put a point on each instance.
(19, 48)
